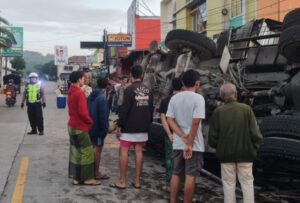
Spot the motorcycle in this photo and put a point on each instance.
(10, 94)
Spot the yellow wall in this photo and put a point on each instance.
(180, 4)
(184, 19)
(214, 18)
(250, 10)
(216, 22)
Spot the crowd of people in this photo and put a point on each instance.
(233, 132)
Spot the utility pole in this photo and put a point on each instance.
(6, 59)
(106, 57)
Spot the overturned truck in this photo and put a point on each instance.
(262, 58)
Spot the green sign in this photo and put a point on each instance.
(17, 47)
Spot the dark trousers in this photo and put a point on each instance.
(35, 115)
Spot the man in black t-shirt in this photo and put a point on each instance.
(176, 86)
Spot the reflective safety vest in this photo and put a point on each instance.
(33, 93)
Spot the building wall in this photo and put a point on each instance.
(275, 9)
(268, 9)
(250, 13)
(131, 15)
(184, 20)
(215, 18)
(166, 16)
(147, 29)
(216, 21)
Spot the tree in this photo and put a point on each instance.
(18, 63)
(6, 37)
(49, 69)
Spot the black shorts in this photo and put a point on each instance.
(191, 167)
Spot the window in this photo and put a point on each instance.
(236, 8)
(69, 68)
(199, 18)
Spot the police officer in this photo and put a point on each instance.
(35, 100)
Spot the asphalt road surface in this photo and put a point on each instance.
(33, 169)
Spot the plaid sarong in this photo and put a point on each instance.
(81, 157)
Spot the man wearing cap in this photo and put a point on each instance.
(35, 100)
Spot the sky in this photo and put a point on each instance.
(67, 22)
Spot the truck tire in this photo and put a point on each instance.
(222, 42)
(291, 18)
(289, 43)
(285, 126)
(279, 147)
(178, 39)
(156, 140)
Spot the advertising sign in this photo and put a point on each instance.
(91, 59)
(61, 55)
(119, 40)
(17, 47)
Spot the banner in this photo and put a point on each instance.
(17, 47)
(119, 40)
(61, 55)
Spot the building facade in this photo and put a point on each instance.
(143, 28)
(214, 16)
(275, 9)
(167, 17)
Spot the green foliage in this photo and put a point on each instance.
(18, 63)
(35, 60)
(49, 69)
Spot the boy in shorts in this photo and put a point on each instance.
(185, 112)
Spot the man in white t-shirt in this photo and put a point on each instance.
(185, 112)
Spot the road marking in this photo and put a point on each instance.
(20, 184)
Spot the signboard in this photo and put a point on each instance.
(119, 40)
(91, 59)
(92, 45)
(17, 47)
(61, 55)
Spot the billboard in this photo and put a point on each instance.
(119, 40)
(91, 59)
(91, 45)
(17, 47)
(61, 55)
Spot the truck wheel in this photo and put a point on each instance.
(179, 39)
(156, 139)
(289, 43)
(222, 42)
(280, 147)
(291, 18)
(286, 126)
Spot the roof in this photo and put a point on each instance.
(77, 59)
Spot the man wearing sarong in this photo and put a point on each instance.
(81, 159)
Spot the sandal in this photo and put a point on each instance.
(114, 185)
(102, 177)
(166, 188)
(135, 186)
(94, 183)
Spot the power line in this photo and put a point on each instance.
(226, 21)
(147, 7)
(208, 13)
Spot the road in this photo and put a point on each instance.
(46, 179)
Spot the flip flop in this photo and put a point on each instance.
(86, 184)
(103, 177)
(136, 187)
(114, 185)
